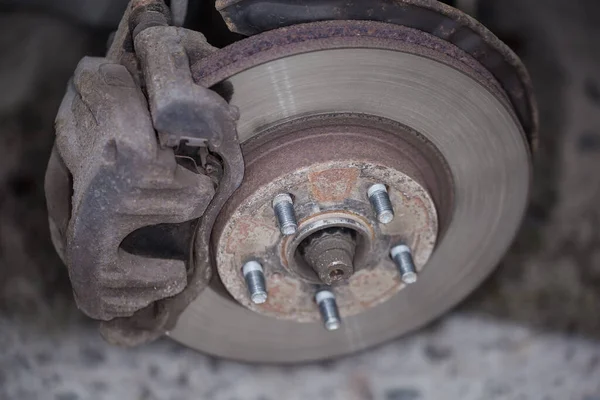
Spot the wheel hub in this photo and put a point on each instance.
(328, 196)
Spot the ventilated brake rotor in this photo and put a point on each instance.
(328, 109)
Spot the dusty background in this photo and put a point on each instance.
(532, 331)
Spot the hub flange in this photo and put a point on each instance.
(329, 195)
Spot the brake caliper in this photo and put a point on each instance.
(129, 182)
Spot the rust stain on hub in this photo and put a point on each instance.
(333, 185)
(250, 233)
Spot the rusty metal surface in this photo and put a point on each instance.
(179, 9)
(330, 253)
(120, 50)
(292, 252)
(304, 38)
(146, 14)
(394, 80)
(228, 149)
(121, 181)
(372, 284)
(250, 17)
(247, 234)
(327, 164)
(128, 236)
(182, 112)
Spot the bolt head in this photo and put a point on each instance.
(259, 297)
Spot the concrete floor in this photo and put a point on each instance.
(532, 331)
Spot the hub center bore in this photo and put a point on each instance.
(330, 247)
(330, 253)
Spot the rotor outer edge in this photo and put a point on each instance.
(250, 17)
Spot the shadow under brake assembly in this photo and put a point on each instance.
(344, 174)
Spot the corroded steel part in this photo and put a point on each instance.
(330, 253)
(182, 112)
(126, 182)
(250, 17)
(328, 163)
(439, 112)
(386, 72)
(129, 244)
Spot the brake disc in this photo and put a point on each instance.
(328, 109)
(303, 193)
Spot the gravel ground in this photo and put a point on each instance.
(532, 331)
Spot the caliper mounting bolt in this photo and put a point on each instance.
(283, 205)
(380, 201)
(402, 256)
(255, 281)
(329, 310)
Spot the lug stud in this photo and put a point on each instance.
(283, 205)
(255, 281)
(402, 256)
(380, 201)
(329, 310)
